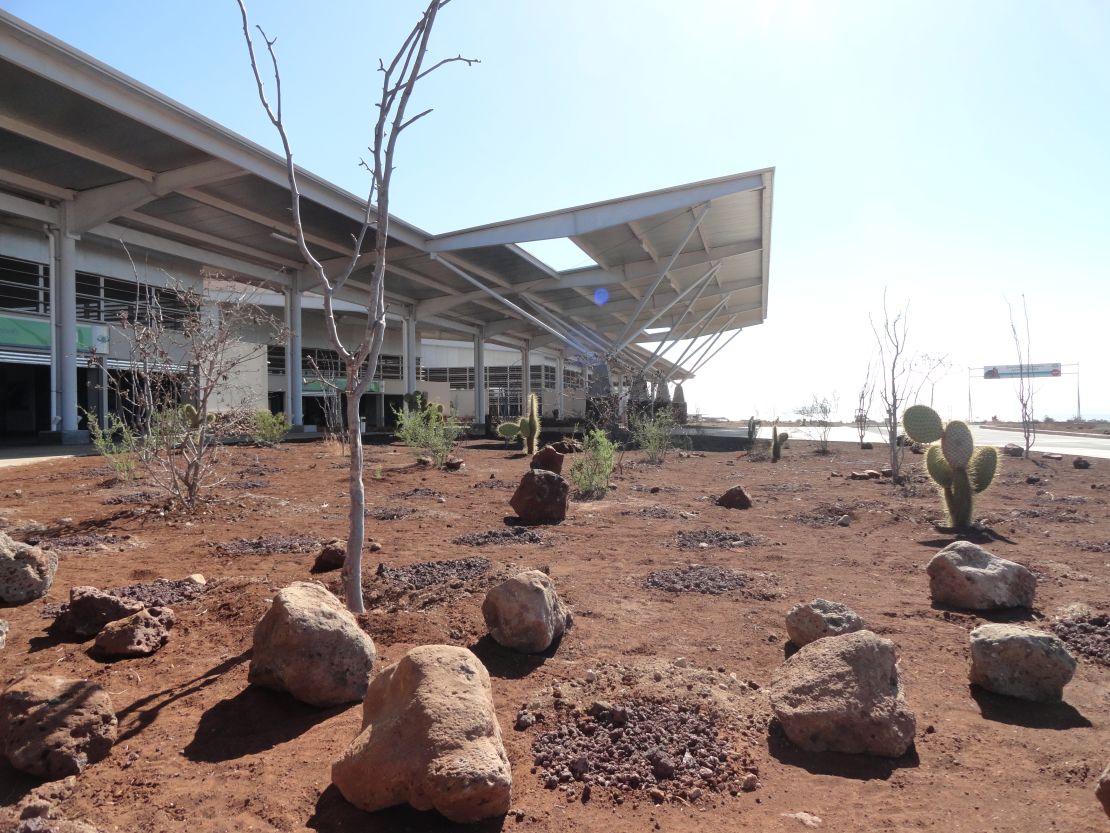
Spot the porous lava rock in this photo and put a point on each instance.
(568, 446)
(541, 497)
(1081, 463)
(1020, 662)
(1102, 791)
(525, 612)
(139, 635)
(814, 620)
(1013, 450)
(26, 572)
(52, 727)
(90, 609)
(309, 645)
(548, 459)
(844, 694)
(332, 555)
(429, 738)
(735, 498)
(965, 575)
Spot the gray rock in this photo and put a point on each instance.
(965, 575)
(138, 635)
(844, 694)
(90, 609)
(53, 726)
(26, 572)
(430, 738)
(548, 459)
(3, 634)
(525, 613)
(1020, 662)
(1102, 791)
(541, 497)
(810, 621)
(735, 498)
(311, 646)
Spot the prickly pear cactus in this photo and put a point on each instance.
(959, 468)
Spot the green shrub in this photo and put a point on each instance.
(117, 444)
(591, 470)
(653, 433)
(428, 431)
(269, 429)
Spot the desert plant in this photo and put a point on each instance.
(753, 427)
(526, 429)
(959, 468)
(591, 470)
(429, 431)
(269, 429)
(778, 440)
(116, 442)
(817, 416)
(652, 433)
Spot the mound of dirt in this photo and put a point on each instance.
(417, 492)
(658, 512)
(264, 544)
(1088, 636)
(390, 513)
(697, 578)
(715, 538)
(77, 541)
(494, 484)
(513, 535)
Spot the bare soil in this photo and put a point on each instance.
(684, 666)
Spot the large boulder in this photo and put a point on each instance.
(430, 738)
(814, 620)
(541, 497)
(52, 727)
(26, 572)
(90, 609)
(965, 575)
(311, 646)
(844, 694)
(1102, 791)
(525, 613)
(138, 635)
(548, 459)
(735, 498)
(1020, 662)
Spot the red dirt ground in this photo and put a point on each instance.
(199, 750)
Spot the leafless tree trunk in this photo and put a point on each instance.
(864, 399)
(399, 78)
(1025, 382)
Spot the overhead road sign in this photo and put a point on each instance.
(1017, 371)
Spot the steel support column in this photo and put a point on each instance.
(560, 391)
(525, 374)
(411, 347)
(294, 369)
(479, 378)
(63, 292)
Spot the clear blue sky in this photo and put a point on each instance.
(956, 153)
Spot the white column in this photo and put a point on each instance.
(479, 379)
(559, 390)
(63, 292)
(294, 366)
(525, 374)
(411, 348)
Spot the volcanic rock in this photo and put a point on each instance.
(26, 572)
(541, 497)
(333, 552)
(311, 646)
(1013, 450)
(843, 694)
(430, 738)
(548, 459)
(53, 726)
(965, 575)
(568, 446)
(811, 621)
(1102, 792)
(525, 613)
(735, 498)
(1020, 662)
(90, 609)
(1081, 463)
(139, 635)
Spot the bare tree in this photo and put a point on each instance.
(1025, 382)
(398, 79)
(864, 398)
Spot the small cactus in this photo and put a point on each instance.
(777, 441)
(959, 468)
(753, 427)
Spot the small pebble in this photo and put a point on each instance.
(591, 676)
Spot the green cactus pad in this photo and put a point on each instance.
(938, 467)
(508, 430)
(982, 467)
(957, 444)
(922, 424)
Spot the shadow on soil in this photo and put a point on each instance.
(145, 710)
(506, 663)
(16, 785)
(980, 537)
(1002, 616)
(1016, 712)
(254, 720)
(859, 767)
(334, 815)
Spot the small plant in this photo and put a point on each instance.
(429, 431)
(652, 433)
(817, 416)
(956, 466)
(378, 472)
(268, 429)
(777, 441)
(117, 444)
(753, 427)
(526, 429)
(591, 470)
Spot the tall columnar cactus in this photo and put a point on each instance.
(753, 427)
(959, 468)
(777, 441)
(526, 429)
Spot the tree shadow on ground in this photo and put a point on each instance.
(334, 814)
(143, 712)
(858, 767)
(254, 720)
(1015, 712)
(506, 663)
(14, 785)
(982, 537)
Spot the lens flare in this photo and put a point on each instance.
(601, 296)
